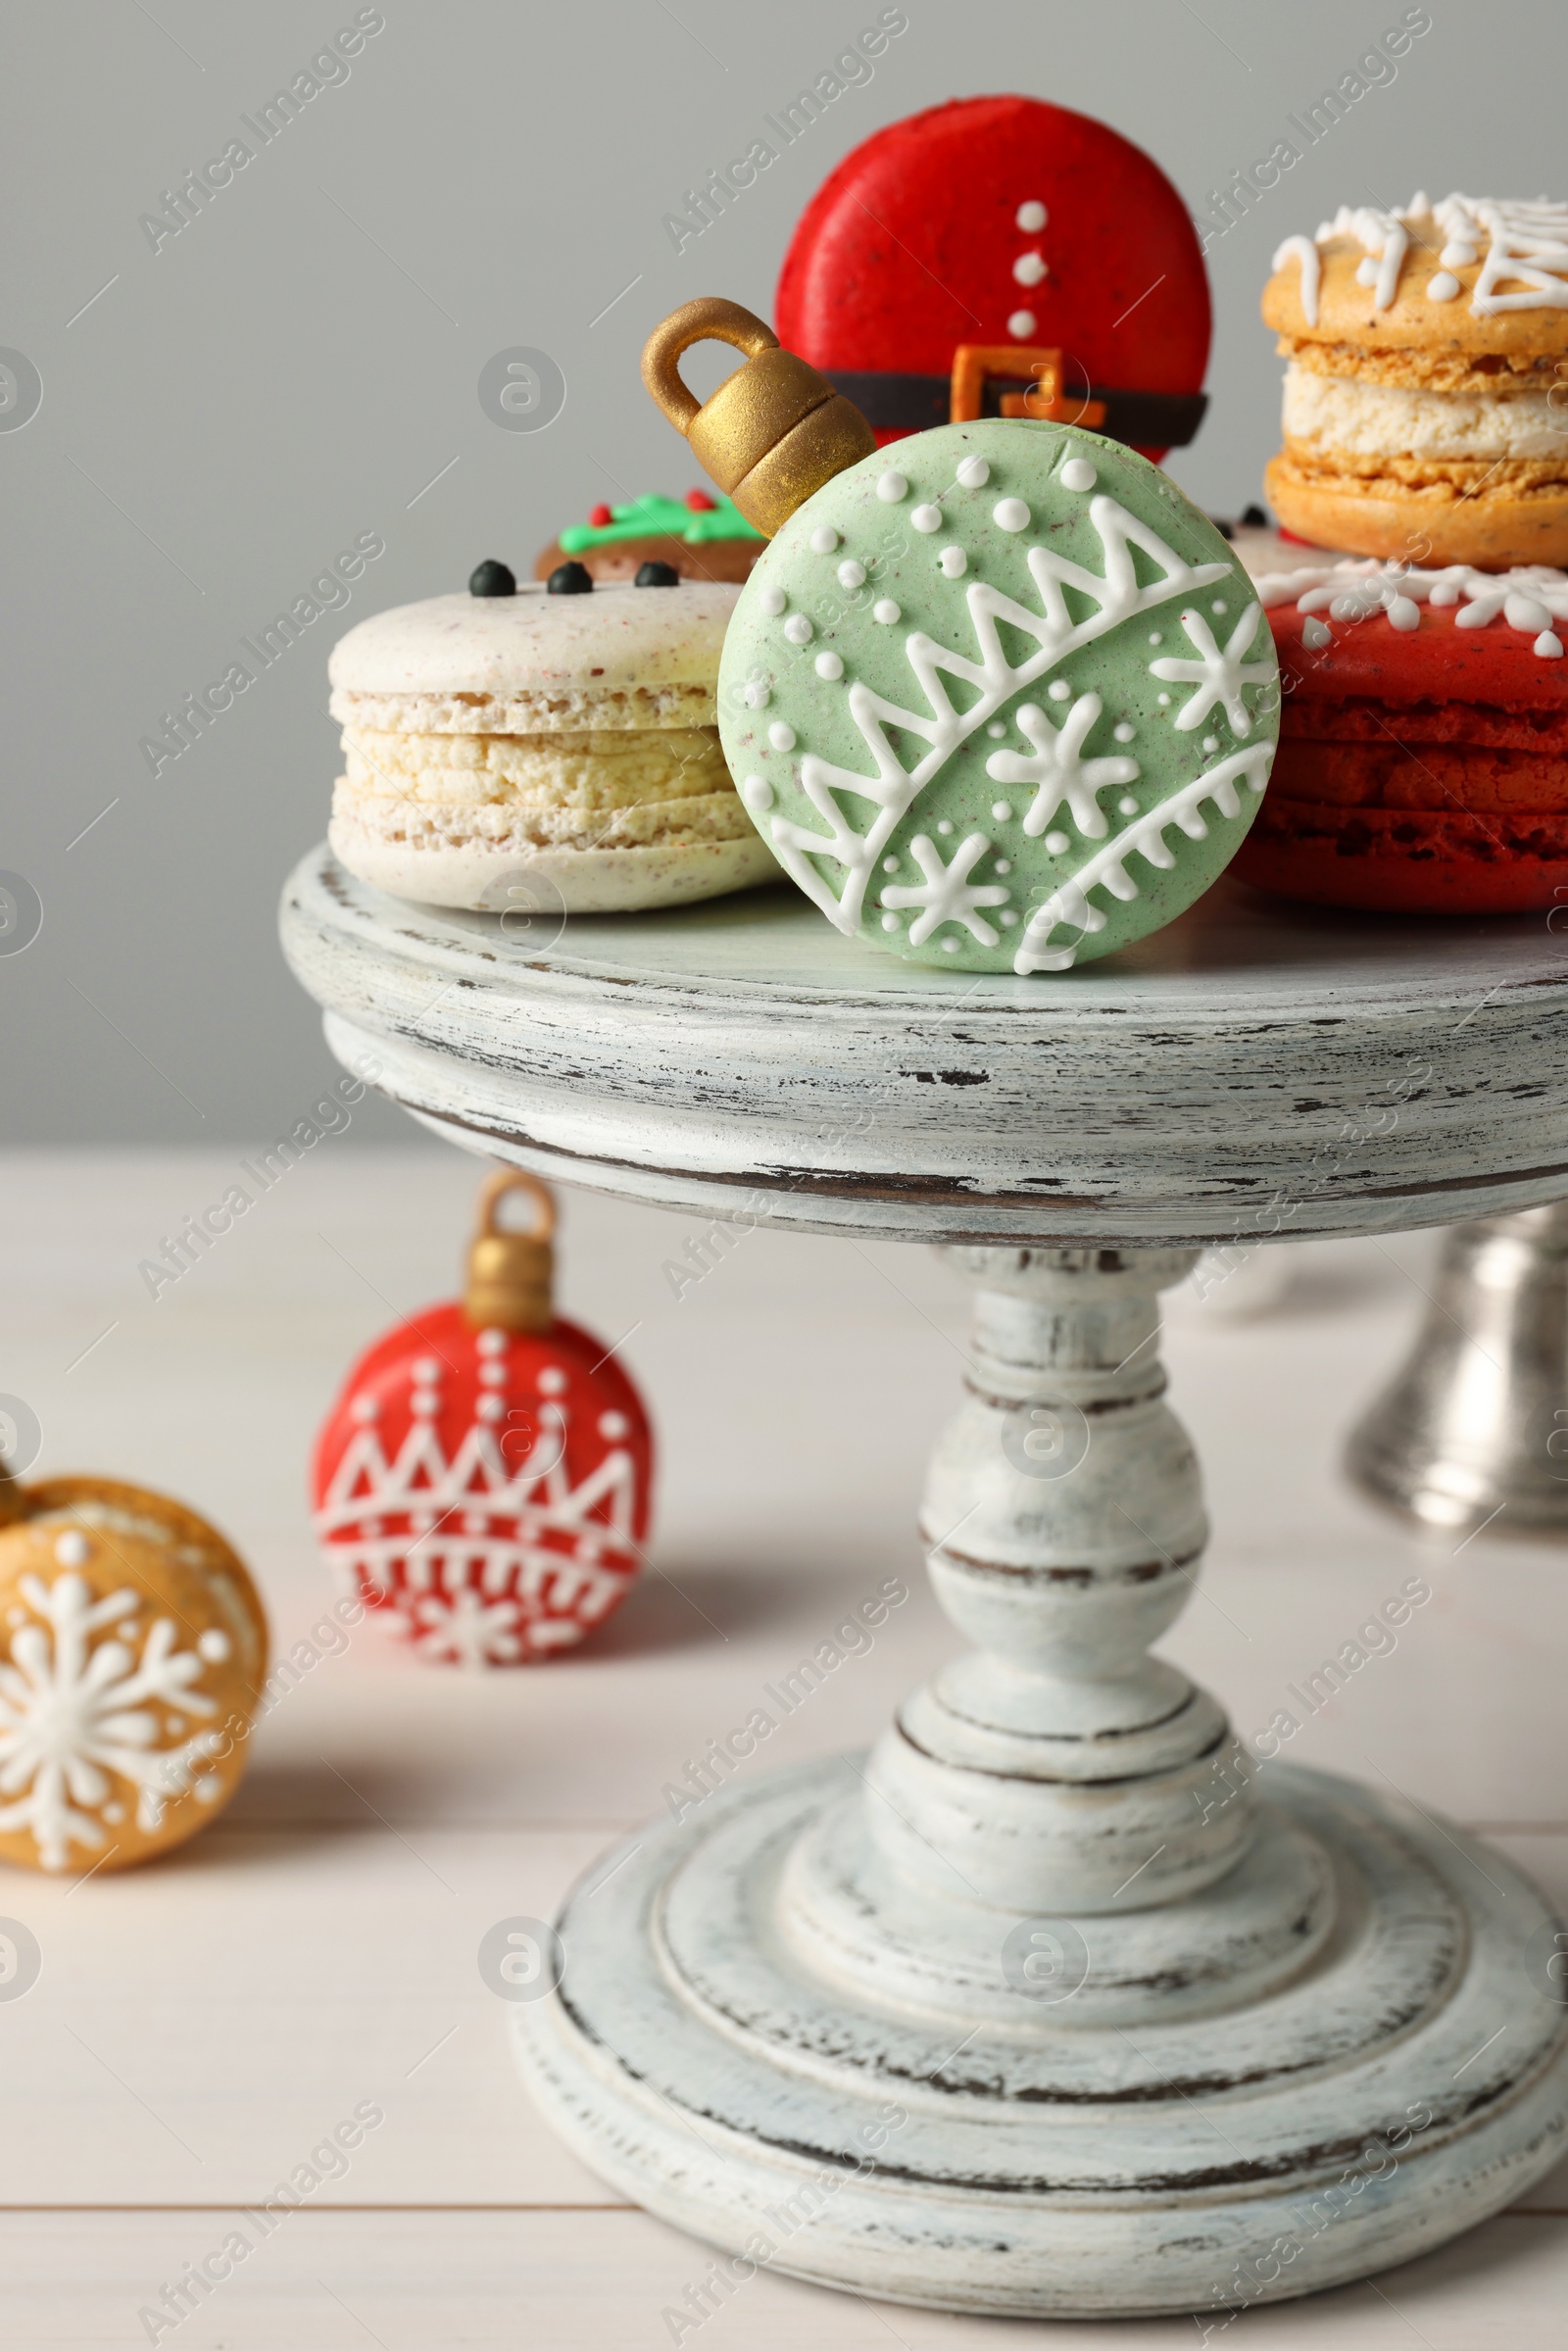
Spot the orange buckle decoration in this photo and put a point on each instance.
(975, 365)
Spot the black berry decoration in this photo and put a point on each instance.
(571, 579)
(492, 580)
(657, 575)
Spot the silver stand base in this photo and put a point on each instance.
(1475, 1425)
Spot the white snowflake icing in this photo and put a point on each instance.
(1219, 675)
(891, 789)
(1065, 779)
(464, 1628)
(947, 894)
(76, 1709)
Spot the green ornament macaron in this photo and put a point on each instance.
(999, 698)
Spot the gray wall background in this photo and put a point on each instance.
(300, 365)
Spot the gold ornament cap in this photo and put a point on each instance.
(774, 431)
(511, 1275)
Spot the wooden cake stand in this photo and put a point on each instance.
(1058, 2002)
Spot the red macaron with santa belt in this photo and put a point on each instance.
(1423, 757)
(1001, 221)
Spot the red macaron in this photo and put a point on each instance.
(1421, 769)
(1001, 221)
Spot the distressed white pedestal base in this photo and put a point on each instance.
(1058, 2005)
(1156, 2149)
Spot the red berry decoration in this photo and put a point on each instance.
(1001, 221)
(600, 515)
(483, 1480)
(700, 503)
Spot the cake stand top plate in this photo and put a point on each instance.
(1255, 1069)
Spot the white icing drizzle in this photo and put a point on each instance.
(891, 788)
(1145, 839)
(1527, 246)
(1526, 598)
(1526, 249)
(947, 894)
(1303, 249)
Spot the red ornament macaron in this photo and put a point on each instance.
(483, 1479)
(1001, 221)
(1423, 755)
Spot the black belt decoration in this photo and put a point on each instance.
(897, 403)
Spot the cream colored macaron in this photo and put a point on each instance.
(534, 751)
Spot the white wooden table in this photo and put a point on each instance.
(199, 2027)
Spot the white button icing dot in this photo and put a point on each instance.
(1127, 805)
(1021, 325)
(851, 574)
(885, 611)
(824, 539)
(926, 518)
(771, 600)
(955, 563)
(892, 486)
(757, 794)
(973, 473)
(1058, 689)
(1124, 731)
(1078, 475)
(798, 629)
(1055, 843)
(781, 737)
(1029, 268)
(829, 665)
(1000, 809)
(1030, 218)
(1011, 513)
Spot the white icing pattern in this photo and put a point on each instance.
(1063, 778)
(1219, 675)
(1528, 598)
(75, 1708)
(504, 1553)
(947, 894)
(1108, 867)
(1526, 252)
(891, 788)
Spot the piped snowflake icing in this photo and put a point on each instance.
(1525, 245)
(1019, 658)
(89, 1690)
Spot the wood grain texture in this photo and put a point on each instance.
(1254, 1068)
(299, 1957)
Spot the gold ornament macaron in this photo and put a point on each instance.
(1425, 393)
(133, 1654)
